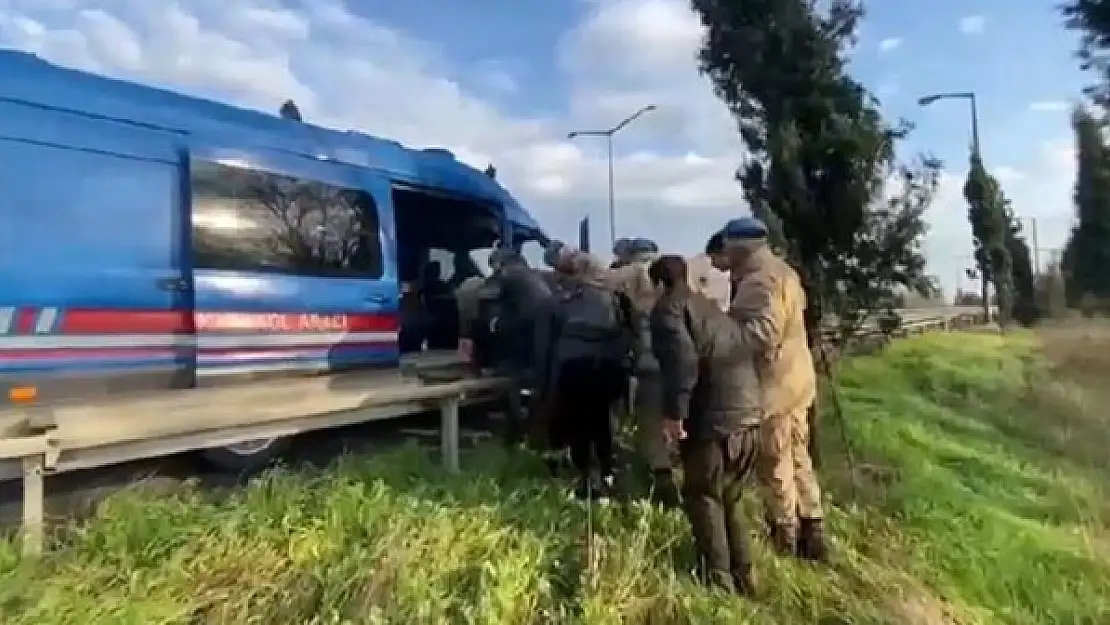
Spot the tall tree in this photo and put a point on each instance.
(823, 159)
(1025, 308)
(1087, 253)
(990, 225)
(1091, 18)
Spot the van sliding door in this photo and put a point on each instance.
(292, 269)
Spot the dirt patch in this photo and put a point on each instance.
(921, 607)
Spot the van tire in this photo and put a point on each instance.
(248, 457)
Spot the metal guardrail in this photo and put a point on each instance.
(70, 438)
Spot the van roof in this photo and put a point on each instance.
(32, 80)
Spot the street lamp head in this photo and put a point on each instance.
(927, 100)
(650, 107)
(571, 135)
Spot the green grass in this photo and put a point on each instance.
(979, 495)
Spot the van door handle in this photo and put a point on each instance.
(378, 299)
(173, 284)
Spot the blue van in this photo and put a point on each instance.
(150, 240)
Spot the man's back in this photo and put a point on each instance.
(769, 305)
(701, 350)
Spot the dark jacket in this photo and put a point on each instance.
(708, 373)
(584, 320)
(512, 296)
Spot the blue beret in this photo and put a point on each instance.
(745, 228)
(622, 246)
(643, 246)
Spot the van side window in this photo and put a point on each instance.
(249, 220)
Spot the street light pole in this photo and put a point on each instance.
(612, 197)
(608, 134)
(976, 153)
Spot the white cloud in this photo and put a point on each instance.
(890, 43)
(337, 66)
(1050, 106)
(674, 167)
(972, 24)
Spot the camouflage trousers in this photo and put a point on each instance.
(785, 470)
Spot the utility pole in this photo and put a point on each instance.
(608, 134)
(977, 154)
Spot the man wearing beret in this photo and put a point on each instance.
(622, 252)
(769, 305)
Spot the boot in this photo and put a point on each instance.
(745, 582)
(664, 489)
(784, 538)
(811, 541)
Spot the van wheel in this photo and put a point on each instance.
(245, 457)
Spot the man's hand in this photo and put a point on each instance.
(673, 430)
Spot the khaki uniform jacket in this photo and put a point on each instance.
(769, 305)
(632, 280)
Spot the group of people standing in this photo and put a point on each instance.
(722, 372)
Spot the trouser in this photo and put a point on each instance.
(586, 392)
(652, 443)
(791, 491)
(715, 471)
(514, 411)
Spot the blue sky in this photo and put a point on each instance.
(504, 80)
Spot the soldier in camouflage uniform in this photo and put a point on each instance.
(633, 280)
(769, 304)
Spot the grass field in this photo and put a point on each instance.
(979, 495)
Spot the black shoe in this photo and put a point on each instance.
(745, 582)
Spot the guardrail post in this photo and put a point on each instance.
(449, 433)
(34, 467)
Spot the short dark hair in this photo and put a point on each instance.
(668, 270)
(716, 243)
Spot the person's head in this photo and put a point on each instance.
(622, 249)
(557, 256)
(642, 251)
(504, 257)
(584, 266)
(668, 272)
(742, 238)
(715, 250)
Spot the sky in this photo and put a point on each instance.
(504, 81)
